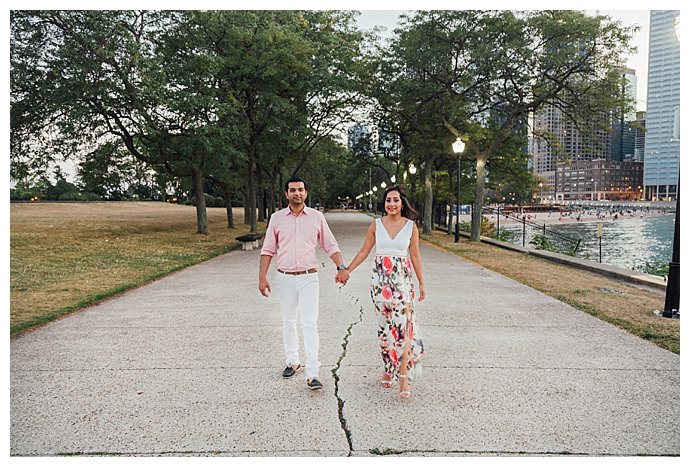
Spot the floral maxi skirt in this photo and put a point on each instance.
(392, 292)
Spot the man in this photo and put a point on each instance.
(292, 236)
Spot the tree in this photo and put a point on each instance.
(481, 74)
(329, 173)
(107, 170)
(95, 75)
(240, 98)
(410, 101)
(528, 61)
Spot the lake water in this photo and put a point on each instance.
(629, 243)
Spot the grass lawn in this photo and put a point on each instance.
(64, 256)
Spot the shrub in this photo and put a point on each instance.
(540, 242)
(71, 196)
(655, 268)
(487, 229)
(214, 201)
(17, 194)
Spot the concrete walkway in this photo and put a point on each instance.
(190, 365)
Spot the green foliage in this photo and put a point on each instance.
(24, 191)
(228, 96)
(506, 235)
(480, 74)
(246, 98)
(76, 196)
(655, 268)
(214, 201)
(106, 171)
(62, 190)
(488, 229)
(541, 242)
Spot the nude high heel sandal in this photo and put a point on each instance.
(405, 394)
(387, 383)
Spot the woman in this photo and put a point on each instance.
(397, 243)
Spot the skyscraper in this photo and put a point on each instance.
(662, 146)
(623, 134)
(359, 140)
(641, 125)
(555, 138)
(630, 84)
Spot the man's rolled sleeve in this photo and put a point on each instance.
(328, 242)
(270, 242)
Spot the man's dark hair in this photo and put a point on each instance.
(293, 180)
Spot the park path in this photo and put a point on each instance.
(190, 365)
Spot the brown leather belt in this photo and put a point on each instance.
(297, 273)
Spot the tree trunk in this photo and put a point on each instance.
(227, 194)
(449, 214)
(478, 199)
(199, 202)
(246, 206)
(281, 198)
(272, 194)
(251, 190)
(427, 222)
(261, 194)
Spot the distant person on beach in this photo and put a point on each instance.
(397, 256)
(292, 236)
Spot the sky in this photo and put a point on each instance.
(638, 62)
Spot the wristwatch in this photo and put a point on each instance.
(341, 267)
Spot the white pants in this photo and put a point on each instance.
(300, 295)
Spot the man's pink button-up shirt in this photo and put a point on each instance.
(292, 239)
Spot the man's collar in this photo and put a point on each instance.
(303, 211)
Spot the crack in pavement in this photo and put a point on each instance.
(336, 378)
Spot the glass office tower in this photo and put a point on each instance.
(662, 141)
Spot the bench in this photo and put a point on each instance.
(249, 241)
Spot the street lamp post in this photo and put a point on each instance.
(672, 303)
(458, 148)
(413, 170)
(374, 189)
(369, 189)
(673, 286)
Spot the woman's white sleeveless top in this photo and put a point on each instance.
(398, 246)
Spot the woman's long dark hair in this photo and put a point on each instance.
(406, 210)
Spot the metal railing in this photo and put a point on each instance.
(522, 220)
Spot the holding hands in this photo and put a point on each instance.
(342, 276)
